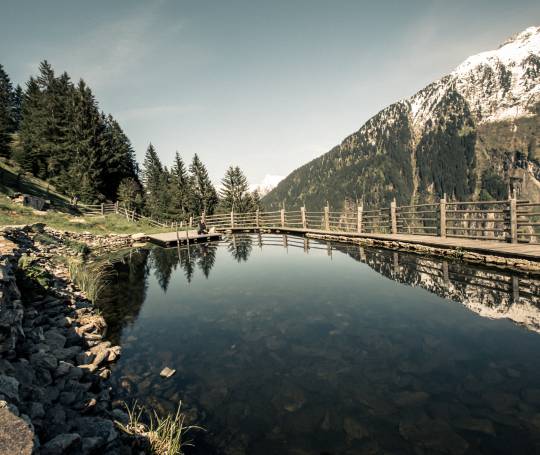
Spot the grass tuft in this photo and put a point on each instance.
(164, 435)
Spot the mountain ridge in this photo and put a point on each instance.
(470, 134)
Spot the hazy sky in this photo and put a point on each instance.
(266, 85)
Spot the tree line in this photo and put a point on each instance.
(55, 130)
(183, 190)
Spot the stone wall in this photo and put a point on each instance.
(54, 358)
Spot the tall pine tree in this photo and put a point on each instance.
(234, 193)
(7, 124)
(203, 197)
(179, 187)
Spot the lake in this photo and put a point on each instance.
(284, 345)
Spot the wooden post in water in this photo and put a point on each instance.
(442, 217)
(326, 217)
(282, 218)
(303, 215)
(360, 211)
(257, 219)
(515, 289)
(393, 216)
(513, 218)
(446, 276)
(232, 218)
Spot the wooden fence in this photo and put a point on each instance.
(511, 220)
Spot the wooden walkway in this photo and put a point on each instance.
(529, 252)
(182, 237)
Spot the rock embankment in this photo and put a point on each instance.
(54, 358)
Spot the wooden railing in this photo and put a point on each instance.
(511, 220)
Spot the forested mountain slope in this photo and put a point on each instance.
(472, 135)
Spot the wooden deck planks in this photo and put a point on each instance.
(492, 247)
(172, 238)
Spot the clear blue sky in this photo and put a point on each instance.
(266, 85)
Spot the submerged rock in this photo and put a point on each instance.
(167, 372)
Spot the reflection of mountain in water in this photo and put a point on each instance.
(488, 292)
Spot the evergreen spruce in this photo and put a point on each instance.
(179, 187)
(154, 180)
(234, 193)
(7, 124)
(203, 197)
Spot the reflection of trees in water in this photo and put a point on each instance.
(122, 298)
(164, 261)
(240, 246)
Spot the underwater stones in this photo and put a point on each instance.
(167, 372)
(433, 434)
(474, 424)
(354, 429)
(500, 401)
(409, 398)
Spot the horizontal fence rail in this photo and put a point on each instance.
(511, 220)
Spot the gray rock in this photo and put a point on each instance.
(61, 443)
(62, 369)
(96, 427)
(44, 360)
(67, 353)
(55, 339)
(36, 410)
(15, 435)
(91, 444)
(9, 387)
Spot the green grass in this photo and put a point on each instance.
(14, 180)
(16, 214)
(166, 435)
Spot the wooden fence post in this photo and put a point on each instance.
(282, 218)
(191, 221)
(303, 214)
(393, 216)
(232, 218)
(257, 219)
(116, 207)
(203, 216)
(513, 218)
(102, 209)
(327, 217)
(442, 217)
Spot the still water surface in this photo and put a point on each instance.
(284, 346)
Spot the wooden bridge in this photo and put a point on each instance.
(506, 229)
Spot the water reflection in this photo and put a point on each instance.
(292, 347)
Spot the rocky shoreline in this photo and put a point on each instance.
(54, 357)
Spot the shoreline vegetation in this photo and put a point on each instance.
(56, 359)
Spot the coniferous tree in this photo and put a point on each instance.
(154, 180)
(256, 200)
(7, 125)
(203, 196)
(18, 95)
(234, 193)
(179, 187)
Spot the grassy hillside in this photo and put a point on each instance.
(61, 215)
